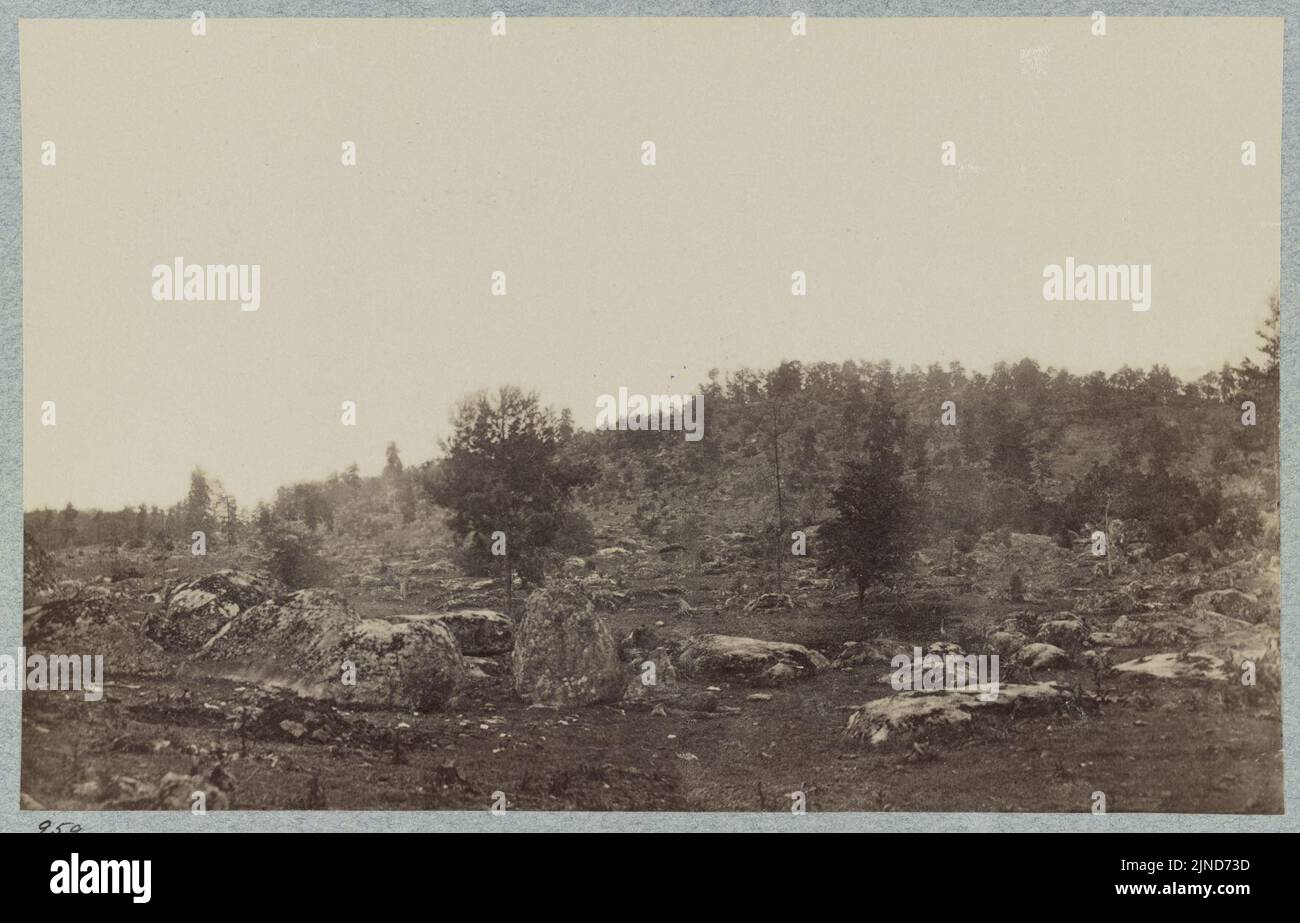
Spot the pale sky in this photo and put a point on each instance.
(522, 153)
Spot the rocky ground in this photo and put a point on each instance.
(219, 680)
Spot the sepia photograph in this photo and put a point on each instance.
(651, 415)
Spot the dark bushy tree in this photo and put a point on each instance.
(505, 470)
(292, 551)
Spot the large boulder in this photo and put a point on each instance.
(93, 623)
(1223, 657)
(196, 609)
(410, 664)
(1006, 642)
(314, 642)
(479, 632)
(564, 654)
(68, 616)
(748, 660)
(907, 715)
(1175, 665)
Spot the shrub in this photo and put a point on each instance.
(475, 559)
(574, 534)
(119, 570)
(293, 554)
(648, 518)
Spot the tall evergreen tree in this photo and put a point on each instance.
(874, 531)
(198, 504)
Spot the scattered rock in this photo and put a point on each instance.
(603, 593)
(778, 674)
(483, 667)
(61, 617)
(1041, 656)
(174, 792)
(1096, 660)
(1159, 629)
(293, 728)
(574, 567)
(652, 596)
(94, 623)
(659, 699)
(768, 602)
(1173, 564)
(1007, 643)
(878, 650)
(1232, 603)
(1068, 634)
(1106, 602)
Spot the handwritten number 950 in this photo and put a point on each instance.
(67, 826)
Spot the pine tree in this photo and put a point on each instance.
(198, 505)
(873, 532)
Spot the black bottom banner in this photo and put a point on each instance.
(170, 870)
